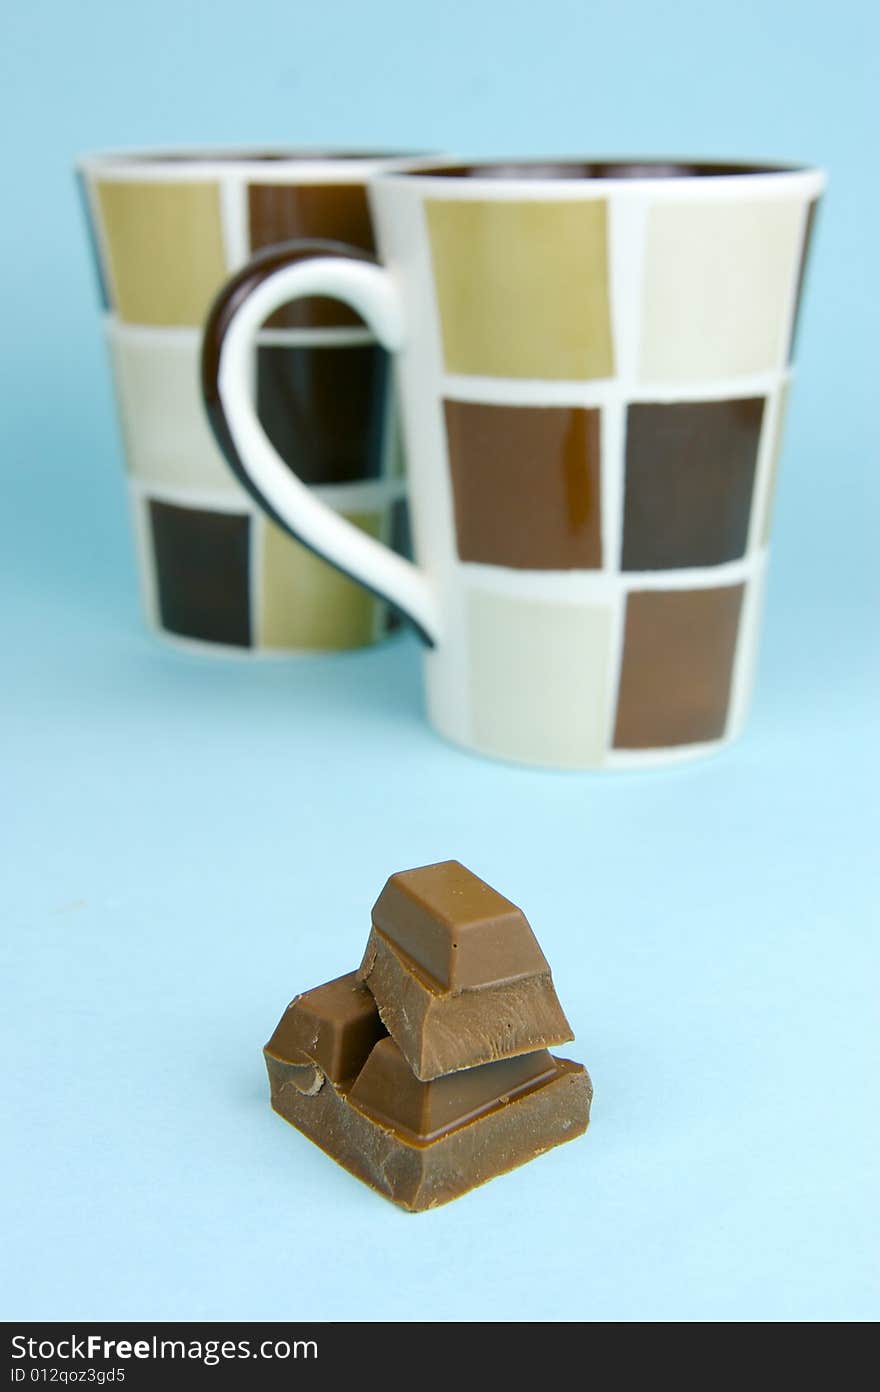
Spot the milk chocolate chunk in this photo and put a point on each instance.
(417, 1173)
(457, 973)
(388, 1090)
(460, 930)
(463, 1088)
(334, 1026)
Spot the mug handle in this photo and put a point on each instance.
(271, 279)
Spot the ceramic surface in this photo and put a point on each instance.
(593, 361)
(168, 229)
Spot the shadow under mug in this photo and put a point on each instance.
(168, 228)
(593, 363)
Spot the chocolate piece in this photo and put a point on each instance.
(460, 980)
(335, 1026)
(460, 930)
(387, 1090)
(418, 1175)
(457, 973)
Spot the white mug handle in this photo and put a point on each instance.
(271, 279)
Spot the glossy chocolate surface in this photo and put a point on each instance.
(387, 1090)
(418, 1176)
(335, 1025)
(440, 1031)
(457, 972)
(457, 928)
(492, 1096)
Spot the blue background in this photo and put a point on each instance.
(191, 841)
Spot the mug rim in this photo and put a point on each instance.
(155, 161)
(575, 172)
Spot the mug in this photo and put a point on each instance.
(593, 360)
(168, 228)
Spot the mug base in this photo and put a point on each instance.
(613, 761)
(206, 647)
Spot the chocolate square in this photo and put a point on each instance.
(457, 973)
(452, 965)
(334, 1025)
(387, 1090)
(420, 1174)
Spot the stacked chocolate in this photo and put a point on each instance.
(427, 1071)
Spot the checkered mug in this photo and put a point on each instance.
(593, 363)
(168, 228)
